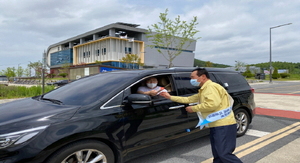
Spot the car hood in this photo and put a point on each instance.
(28, 113)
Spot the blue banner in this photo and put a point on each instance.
(215, 115)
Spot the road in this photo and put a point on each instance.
(251, 148)
(269, 138)
(280, 87)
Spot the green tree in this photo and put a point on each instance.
(131, 59)
(171, 37)
(10, 72)
(20, 71)
(37, 67)
(239, 65)
(275, 74)
(64, 71)
(27, 72)
(208, 64)
(98, 62)
(248, 73)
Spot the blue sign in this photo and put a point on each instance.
(105, 69)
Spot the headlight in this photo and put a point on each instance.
(19, 137)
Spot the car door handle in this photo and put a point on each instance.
(177, 107)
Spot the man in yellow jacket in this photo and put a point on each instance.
(212, 98)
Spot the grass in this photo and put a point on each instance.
(8, 92)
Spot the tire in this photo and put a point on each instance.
(84, 151)
(243, 121)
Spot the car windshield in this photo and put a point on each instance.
(90, 89)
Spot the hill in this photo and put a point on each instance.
(200, 63)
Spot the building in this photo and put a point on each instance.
(106, 46)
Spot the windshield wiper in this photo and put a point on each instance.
(52, 100)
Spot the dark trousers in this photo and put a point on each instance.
(223, 142)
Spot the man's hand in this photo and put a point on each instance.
(189, 109)
(165, 95)
(152, 92)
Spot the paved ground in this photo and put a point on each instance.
(282, 105)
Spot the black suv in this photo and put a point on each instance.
(102, 118)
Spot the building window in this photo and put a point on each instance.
(103, 51)
(98, 52)
(83, 54)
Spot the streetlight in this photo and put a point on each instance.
(271, 49)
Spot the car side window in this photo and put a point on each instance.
(162, 81)
(115, 101)
(183, 84)
(232, 81)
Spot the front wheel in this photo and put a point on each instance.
(84, 151)
(242, 119)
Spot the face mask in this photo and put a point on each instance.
(151, 85)
(194, 82)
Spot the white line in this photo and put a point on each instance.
(256, 133)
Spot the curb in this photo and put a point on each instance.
(277, 113)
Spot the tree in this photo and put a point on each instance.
(208, 64)
(172, 36)
(275, 74)
(51, 74)
(27, 72)
(64, 70)
(239, 65)
(20, 71)
(248, 73)
(9, 72)
(131, 59)
(37, 67)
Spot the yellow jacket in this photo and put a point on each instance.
(212, 97)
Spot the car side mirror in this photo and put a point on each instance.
(139, 99)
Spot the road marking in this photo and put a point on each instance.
(278, 113)
(256, 133)
(258, 143)
(269, 141)
(294, 92)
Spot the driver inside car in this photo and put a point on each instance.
(151, 87)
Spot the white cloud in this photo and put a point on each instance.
(231, 30)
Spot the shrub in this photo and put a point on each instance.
(284, 75)
(63, 74)
(248, 74)
(275, 74)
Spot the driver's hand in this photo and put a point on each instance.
(153, 93)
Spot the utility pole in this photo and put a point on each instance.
(271, 49)
(43, 72)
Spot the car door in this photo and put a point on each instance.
(185, 89)
(150, 127)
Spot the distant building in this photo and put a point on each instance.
(108, 45)
(253, 69)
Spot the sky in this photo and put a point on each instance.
(231, 31)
